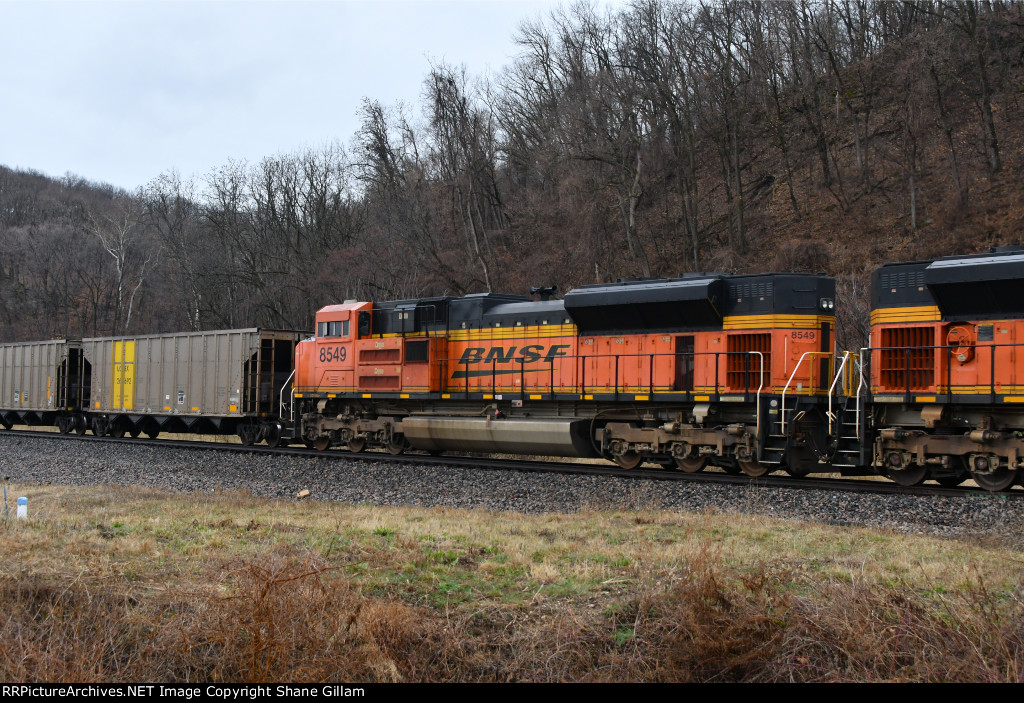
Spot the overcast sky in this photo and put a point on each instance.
(119, 92)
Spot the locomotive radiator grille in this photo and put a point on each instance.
(908, 358)
(743, 371)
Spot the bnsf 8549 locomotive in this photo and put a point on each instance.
(681, 372)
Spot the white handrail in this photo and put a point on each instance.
(757, 399)
(280, 408)
(860, 385)
(839, 374)
(786, 388)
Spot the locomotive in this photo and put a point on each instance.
(946, 370)
(680, 372)
(734, 371)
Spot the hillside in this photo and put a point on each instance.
(658, 139)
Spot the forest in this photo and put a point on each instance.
(655, 139)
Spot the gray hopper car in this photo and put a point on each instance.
(217, 382)
(35, 384)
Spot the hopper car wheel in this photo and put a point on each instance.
(913, 475)
(321, 443)
(357, 444)
(397, 445)
(116, 433)
(66, 425)
(628, 459)
(754, 469)
(249, 434)
(691, 465)
(998, 480)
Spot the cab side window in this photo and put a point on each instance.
(332, 329)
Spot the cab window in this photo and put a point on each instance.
(337, 328)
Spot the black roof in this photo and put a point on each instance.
(976, 286)
(633, 306)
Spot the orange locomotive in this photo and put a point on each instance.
(946, 392)
(731, 370)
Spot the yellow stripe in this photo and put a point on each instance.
(641, 397)
(524, 333)
(925, 399)
(747, 322)
(922, 313)
(1013, 399)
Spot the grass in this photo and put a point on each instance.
(113, 584)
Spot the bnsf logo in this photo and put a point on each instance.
(506, 355)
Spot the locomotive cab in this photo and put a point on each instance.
(326, 362)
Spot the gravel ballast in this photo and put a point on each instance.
(32, 460)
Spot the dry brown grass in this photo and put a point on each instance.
(129, 585)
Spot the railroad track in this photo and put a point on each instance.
(820, 483)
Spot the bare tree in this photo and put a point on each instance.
(120, 232)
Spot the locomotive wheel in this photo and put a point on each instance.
(628, 460)
(357, 444)
(397, 444)
(272, 435)
(754, 469)
(799, 463)
(998, 480)
(913, 475)
(691, 465)
(321, 443)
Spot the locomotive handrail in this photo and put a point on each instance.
(757, 403)
(291, 410)
(579, 362)
(838, 375)
(919, 374)
(796, 368)
(860, 386)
